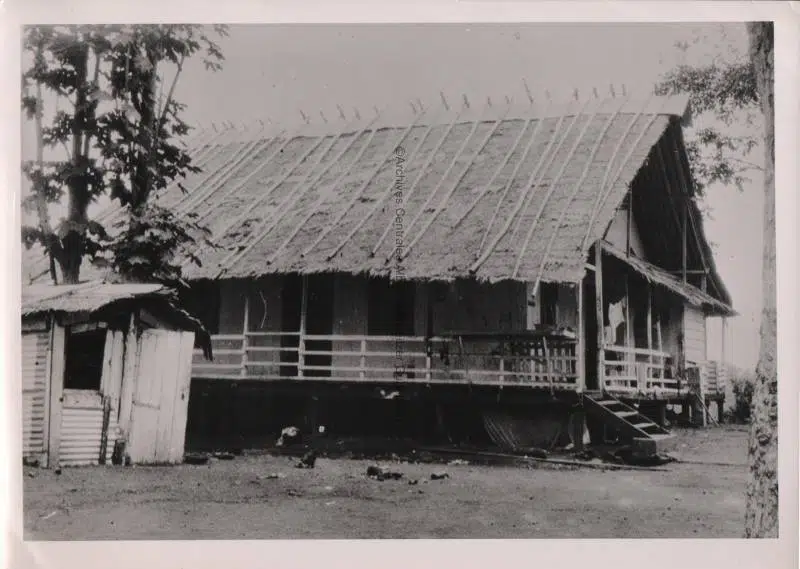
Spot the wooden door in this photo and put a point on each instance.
(161, 397)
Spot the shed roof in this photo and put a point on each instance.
(96, 296)
(84, 297)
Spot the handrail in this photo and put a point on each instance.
(361, 357)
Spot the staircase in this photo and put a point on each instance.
(648, 438)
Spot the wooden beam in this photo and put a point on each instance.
(724, 333)
(684, 211)
(56, 379)
(245, 330)
(129, 377)
(303, 315)
(50, 323)
(598, 285)
(629, 222)
(579, 348)
(650, 320)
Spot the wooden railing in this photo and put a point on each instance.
(638, 370)
(407, 359)
(715, 377)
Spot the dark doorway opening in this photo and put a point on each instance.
(84, 358)
(590, 332)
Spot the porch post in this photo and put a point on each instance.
(724, 333)
(650, 333)
(683, 238)
(301, 341)
(579, 351)
(598, 286)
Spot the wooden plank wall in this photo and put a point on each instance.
(694, 329)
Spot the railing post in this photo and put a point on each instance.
(301, 339)
(361, 372)
(428, 349)
(245, 329)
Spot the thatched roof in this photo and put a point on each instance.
(507, 192)
(693, 295)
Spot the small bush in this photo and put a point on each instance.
(742, 384)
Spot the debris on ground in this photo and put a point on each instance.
(31, 475)
(308, 460)
(458, 462)
(50, 515)
(294, 493)
(439, 475)
(382, 473)
(195, 458)
(413, 482)
(58, 471)
(533, 452)
(224, 455)
(289, 436)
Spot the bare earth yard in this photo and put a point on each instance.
(701, 497)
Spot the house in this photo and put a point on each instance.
(105, 370)
(523, 253)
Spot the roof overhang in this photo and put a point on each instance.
(658, 276)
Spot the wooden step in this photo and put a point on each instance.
(644, 425)
(624, 414)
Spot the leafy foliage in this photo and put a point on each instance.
(120, 136)
(725, 91)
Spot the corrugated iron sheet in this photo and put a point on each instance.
(35, 346)
(84, 297)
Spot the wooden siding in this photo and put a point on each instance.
(349, 317)
(694, 330)
(35, 373)
(618, 234)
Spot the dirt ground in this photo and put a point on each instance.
(701, 496)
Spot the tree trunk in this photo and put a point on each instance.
(74, 239)
(761, 515)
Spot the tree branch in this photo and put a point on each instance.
(170, 92)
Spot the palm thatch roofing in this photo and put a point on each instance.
(695, 296)
(509, 191)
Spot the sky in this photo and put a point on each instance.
(275, 72)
